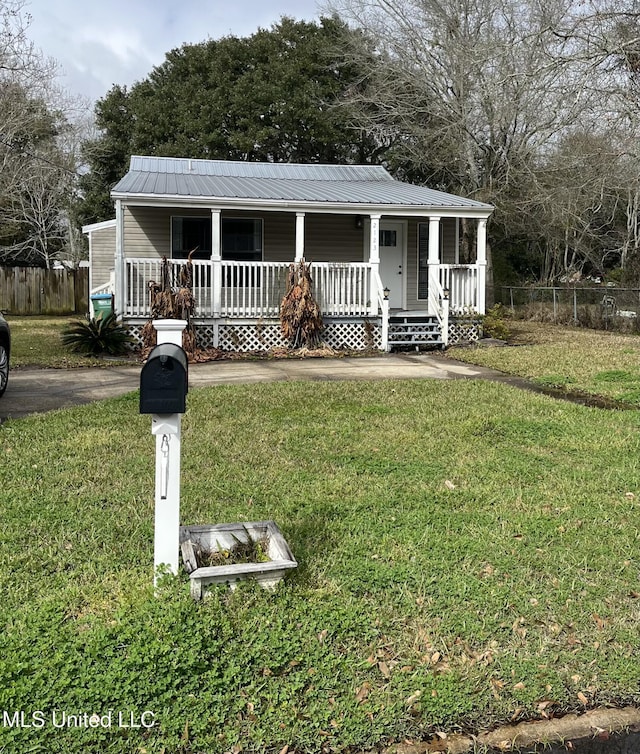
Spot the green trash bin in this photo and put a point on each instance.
(102, 303)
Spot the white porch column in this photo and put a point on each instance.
(299, 236)
(120, 302)
(481, 260)
(433, 257)
(374, 261)
(374, 240)
(216, 262)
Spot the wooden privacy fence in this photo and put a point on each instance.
(33, 290)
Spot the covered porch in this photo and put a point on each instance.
(405, 256)
(376, 246)
(227, 291)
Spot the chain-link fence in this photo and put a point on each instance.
(602, 307)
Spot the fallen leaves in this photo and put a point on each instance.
(363, 692)
(518, 627)
(545, 708)
(384, 669)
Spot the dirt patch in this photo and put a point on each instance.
(583, 399)
(607, 730)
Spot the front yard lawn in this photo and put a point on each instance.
(593, 362)
(35, 342)
(468, 555)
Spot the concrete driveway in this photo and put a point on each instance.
(38, 390)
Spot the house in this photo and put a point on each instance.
(385, 254)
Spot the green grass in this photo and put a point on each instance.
(468, 554)
(593, 362)
(35, 342)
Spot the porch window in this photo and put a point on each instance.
(241, 242)
(188, 233)
(241, 239)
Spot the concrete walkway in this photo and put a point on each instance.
(38, 390)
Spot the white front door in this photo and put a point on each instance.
(392, 262)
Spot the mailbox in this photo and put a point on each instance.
(164, 381)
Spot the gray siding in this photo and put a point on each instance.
(147, 231)
(328, 238)
(449, 239)
(279, 235)
(333, 238)
(102, 255)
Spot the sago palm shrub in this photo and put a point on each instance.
(98, 335)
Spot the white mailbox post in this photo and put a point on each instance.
(163, 387)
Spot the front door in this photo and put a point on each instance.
(392, 262)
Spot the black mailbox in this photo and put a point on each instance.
(164, 381)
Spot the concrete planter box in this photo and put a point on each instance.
(198, 540)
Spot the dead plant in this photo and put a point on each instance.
(300, 317)
(167, 302)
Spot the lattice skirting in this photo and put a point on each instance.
(464, 330)
(357, 335)
(135, 332)
(353, 336)
(246, 337)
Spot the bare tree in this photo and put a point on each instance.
(39, 148)
(475, 89)
(491, 99)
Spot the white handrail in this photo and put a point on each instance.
(108, 287)
(382, 306)
(104, 288)
(439, 305)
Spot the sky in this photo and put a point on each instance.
(98, 43)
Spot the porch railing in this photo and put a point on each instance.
(461, 280)
(250, 289)
(344, 289)
(108, 287)
(253, 289)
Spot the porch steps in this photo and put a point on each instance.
(414, 330)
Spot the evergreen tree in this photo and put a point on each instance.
(268, 97)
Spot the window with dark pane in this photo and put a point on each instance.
(188, 233)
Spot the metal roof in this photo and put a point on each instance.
(349, 185)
